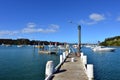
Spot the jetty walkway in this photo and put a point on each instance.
(71, 70)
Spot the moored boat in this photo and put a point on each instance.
(19, 45)
(102, 49)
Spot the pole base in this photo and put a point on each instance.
(78, 54)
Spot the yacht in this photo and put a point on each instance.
(102, 49)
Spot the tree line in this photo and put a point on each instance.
(27, 42)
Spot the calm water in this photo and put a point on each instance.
(106, 65)
(25, 63)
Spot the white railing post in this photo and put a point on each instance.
(72, 59)
(49, 68)
(69, 51)
(84, 60)
(81, 56)
(90, 71)
(61, 59)
(64, 55)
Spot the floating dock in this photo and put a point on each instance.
(71, 70)
(48, 52)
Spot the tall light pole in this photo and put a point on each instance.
(79, 40)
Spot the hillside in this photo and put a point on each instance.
(113, 41)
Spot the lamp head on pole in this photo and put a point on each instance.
(79, 27)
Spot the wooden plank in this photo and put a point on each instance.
(71, 70)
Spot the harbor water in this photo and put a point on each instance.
(106, 64)
(25, 63)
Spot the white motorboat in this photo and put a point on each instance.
(50, 45)
(103, 49)
(75, 46)
(61, 47)
(88, 46)
(19, 45)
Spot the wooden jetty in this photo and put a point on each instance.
(71, 70)
(71, 67)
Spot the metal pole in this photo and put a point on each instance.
(79, 40)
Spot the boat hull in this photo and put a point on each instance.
(104, 49)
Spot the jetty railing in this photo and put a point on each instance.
(88, 68)
(50, 66)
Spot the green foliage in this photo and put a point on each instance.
(26, 42)
(113, 41)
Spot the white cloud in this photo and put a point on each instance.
(54, 26)
(93, 19)
(7, 32)
(28, 30)
(4, 32)
(118, 18)
(31, 28)
(49, 30)
(96, 17)
(87, 22)
(31, 25)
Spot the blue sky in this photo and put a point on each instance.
(50, 19)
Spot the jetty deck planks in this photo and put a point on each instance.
(71, 70)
